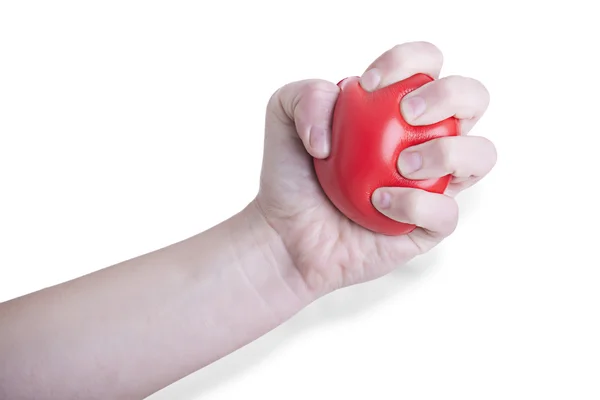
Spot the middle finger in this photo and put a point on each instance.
(454, 96)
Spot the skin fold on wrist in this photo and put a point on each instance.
(251, 231)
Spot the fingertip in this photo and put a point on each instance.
(412, 108)
(448, 216)
(371, 79)
(409, 162)
(319, 142)
(381, 199)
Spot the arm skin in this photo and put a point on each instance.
(129, 330)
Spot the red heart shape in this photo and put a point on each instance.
(368, 134)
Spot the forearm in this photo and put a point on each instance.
(131, 329)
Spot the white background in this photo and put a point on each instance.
(126, 126)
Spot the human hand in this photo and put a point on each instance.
(329, 250)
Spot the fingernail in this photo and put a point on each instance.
(319, 140)
(382, 199)
(413, 107)
(409, 162)
(370, 79)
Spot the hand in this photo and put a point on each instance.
(329, 250)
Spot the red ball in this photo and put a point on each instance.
(368, 134)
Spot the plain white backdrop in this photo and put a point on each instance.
(126, 126)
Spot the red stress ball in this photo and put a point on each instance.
(368, 134)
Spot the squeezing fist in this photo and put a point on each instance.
(327, 248)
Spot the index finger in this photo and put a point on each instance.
(401, 62)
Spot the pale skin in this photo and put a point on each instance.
(129, 330)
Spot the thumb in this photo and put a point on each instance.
(303, 110)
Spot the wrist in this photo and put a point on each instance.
(265, 261)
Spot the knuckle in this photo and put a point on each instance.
(479, 87)
(317, 90)
(276, 108)
(415, 205)
(284, 101)
(450, 217)
(490, 152)
(274, 99)
(446, 153)
(407, 51)
(419, 47)
(476, 83)
(451, 84)
(454, 80)
(494, 155)
(283, 98)
(458, 84)
(446, 87)
(466, 94)
(319, 85)
(432, 50)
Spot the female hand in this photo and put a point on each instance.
(329, 250)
